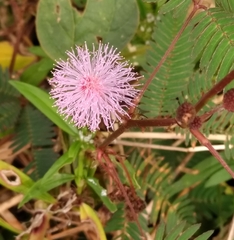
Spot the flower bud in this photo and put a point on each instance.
(185, 114)
(228, 100)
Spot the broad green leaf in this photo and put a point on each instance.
(38, 51)
(41, 100)
(56, 180)
(12, 178)
(112, 21)
(52, 178)
(55, 27)
(102, 193)
(37, 72)
(44, 185)
(87, 214)
(205, 169)
(65, 159)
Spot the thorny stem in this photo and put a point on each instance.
(119, 158)
(204, 141)
(163, 59)
(114, 174)
(157, 122)
(214, 90)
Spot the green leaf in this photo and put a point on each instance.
(188, 233)
(173, 234)
(42, 186)
(213, 35)
(102, 193)
(42, 101)
(170, 5)
(131, 171)
(37, 72)
(65, 159)
(56, 180)
(55, 27)
(205, 235)
(112, 21)
(218, 177)
(117, 220)
(52, 178)
(160, 231)
(21, 182)
(172, 78)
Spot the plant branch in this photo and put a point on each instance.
(157, 122)
(112, 172)
(204, 141)
(214, 90)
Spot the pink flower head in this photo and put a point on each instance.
(92, 86)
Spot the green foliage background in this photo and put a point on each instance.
(176, 201)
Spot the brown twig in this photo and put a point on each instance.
(157, 122)
(112, 172)
(18, 15)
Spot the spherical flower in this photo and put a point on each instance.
(92, 86)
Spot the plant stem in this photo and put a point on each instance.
(112, 172)
(157, 122)
(214, 90)
(204, 141)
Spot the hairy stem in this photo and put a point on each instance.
(111, 170)
(214, 90)
(205, 142)
(157, 122)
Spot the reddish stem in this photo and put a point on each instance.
(127, 173)
(115, 177)
(214, 90)
(204, 141)
(157, 122)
